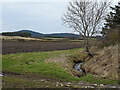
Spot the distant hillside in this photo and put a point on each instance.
(37, 34)
(33, 34)
(61, 35)
(22, 34)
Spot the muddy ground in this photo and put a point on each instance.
(36, 81)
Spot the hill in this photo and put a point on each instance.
(22, 34)
(37, 34)
(33, 34)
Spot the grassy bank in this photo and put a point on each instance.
(92, 79)
(35, 64)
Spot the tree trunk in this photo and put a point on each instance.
(87, 47)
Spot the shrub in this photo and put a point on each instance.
(111, 37)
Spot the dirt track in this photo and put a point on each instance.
(42, 82)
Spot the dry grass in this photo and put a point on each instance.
(61, 59)
(105, 64)
(17, 38)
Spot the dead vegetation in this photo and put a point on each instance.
(61, 59)
(18, 38)
(105, 64)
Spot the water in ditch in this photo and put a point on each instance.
(1, 75)
(77, 67)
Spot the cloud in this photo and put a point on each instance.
(33, 9)
(41, 16)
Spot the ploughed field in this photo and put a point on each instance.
(9, 47)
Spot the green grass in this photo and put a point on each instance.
(92, 79)
(26, 83)
(34, 63)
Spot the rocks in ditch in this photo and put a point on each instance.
(95, 84)
(68, 85)
(61, 84)
(42, 80)
(56, 85)
(101, 85)
(113, 86)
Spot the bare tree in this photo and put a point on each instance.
(85, 17)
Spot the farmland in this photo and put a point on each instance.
(9, 46)
(39, 70)
(46, 63)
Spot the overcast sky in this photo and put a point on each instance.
(43, 17)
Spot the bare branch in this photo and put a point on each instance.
(86, 16)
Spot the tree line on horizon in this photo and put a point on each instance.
(22, 34)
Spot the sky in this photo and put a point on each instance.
(43, 17)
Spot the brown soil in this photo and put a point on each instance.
(9, 47)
